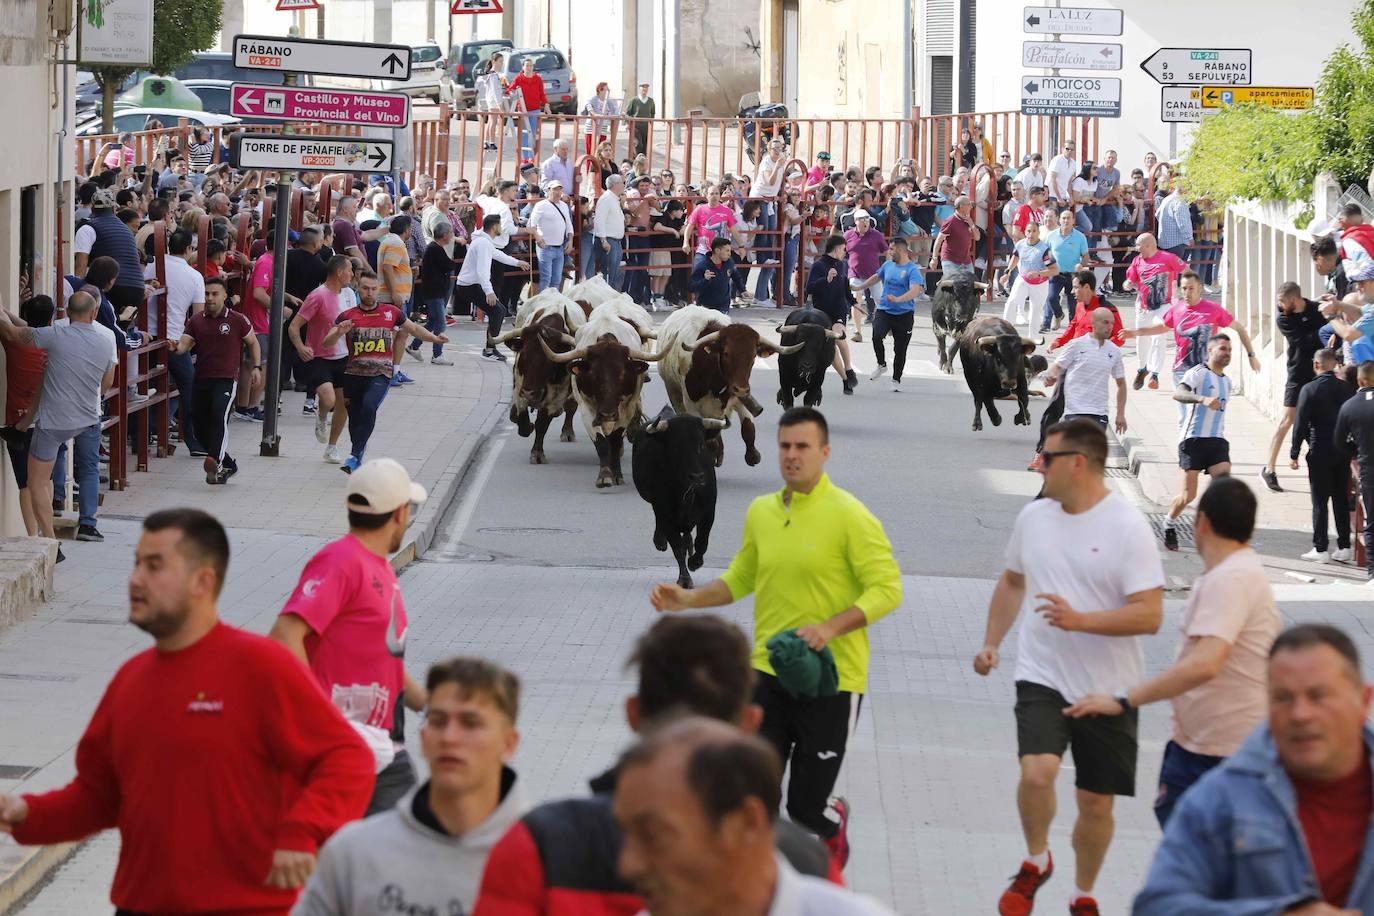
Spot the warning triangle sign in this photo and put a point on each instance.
(475, 6)
(298, 5)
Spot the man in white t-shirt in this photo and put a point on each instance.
(1086, 364)
(1087, 606)
(185, 292)
(1218, 681)
(1063, 169)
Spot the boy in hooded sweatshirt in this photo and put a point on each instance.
(427, 854)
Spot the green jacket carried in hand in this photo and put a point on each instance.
(802, 671)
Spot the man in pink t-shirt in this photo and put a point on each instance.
(1153, 275)
(324, 366)
(347, 623)
(709, 220)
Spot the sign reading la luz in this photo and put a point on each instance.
(1058, 20)
(286, 5)
(1067, 96)
(1195, 66)
(324, 58)
(1269, 96)
(304, 154)
(1071, 55)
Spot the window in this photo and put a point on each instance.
(543, 60)
(427, 54)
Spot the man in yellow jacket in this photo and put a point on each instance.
(818, 562)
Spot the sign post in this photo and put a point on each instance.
(1289, 97)
(1195, 66)
(1061, 96)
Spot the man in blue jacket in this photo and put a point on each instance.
(1281, 827)
(713, 276)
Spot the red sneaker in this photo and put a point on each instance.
(1037, 463)
(839, 843)
(1019, 899)
(1083, 906)
(1154, 386)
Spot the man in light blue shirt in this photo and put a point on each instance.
(902, 282)
(1205, 390)
(1175, 224)
(1070, 250)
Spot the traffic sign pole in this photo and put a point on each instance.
(270, 446)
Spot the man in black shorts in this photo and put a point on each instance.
(324, 367)
(1205, 390)
(829, 289)
(1299, 320)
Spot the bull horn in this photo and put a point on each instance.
(833, 334)
(785, 349)
(693, 344)
(502, 338)
(561, 358)
(787, 329)
(1027, 342)
(647, 333)
(558, 335)
(979, 286)
(657, 426)
(987, 339)
(646, 357)
(714, 423)
(944, 284)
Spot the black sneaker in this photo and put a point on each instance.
(88, 533)
(1171, 539)
(1139, 382)
(1271, 479)
(57, 508)
(852, 377)
(60, 555)
(848, 388)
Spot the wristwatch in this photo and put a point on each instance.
(1125, 703)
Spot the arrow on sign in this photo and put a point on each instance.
(248, 100)
(392, 62)
(378, 156)
(1211, 95)
(1032, 88)
(1106, 52)
(1032, 20)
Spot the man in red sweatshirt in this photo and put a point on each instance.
(216, 755)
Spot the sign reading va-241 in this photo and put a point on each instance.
(328, 106)
(310, 154)
(324, 58)
(1195, 66)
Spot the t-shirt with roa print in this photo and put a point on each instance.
(371, 339)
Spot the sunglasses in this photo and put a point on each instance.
(1050, 456)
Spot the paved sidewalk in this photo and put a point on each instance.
(278, 511)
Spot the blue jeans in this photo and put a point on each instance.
(183, 373)
(87, 461)
(608, 262)
(789, 266)
(551, 267)
(1179, 251)
(1180, 769)
(949, 269)
(436, 323)
(586, 254)
(766, 247)
(364, 395)
(1082, 220)
(529, 133)
(1060, 284)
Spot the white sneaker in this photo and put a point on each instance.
(440, 361)
(414, 354)
(322, 427)
(1342, 554)
(331, 455)
(896, 385)
(1316, 556)
(877, 373)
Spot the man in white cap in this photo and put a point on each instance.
(347, 623)
(865, 246)
(553, 231)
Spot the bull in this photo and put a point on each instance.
(994, 359)
(706, 364)
(673, 473)
(608, 370)
(540, 385)
(630, 312)
(803, 369)
(591, 292)
(954, 306)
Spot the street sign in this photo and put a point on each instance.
(1195, 66)
(323, 58)
(283, 5)
(310, 154)
(1180, 105)
(1065, 21)
(1071, 55)
(1067, 96)
(1269, 96)
(329, 106)
(475, 6)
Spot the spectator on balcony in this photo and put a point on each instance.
(532, 100)
(597, 112)
(641, 106)
(817, 174)
(982, 142)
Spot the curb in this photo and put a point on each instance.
(36, 864)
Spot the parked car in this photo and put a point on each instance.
(211, 65)
(426, 69)
(560, 82)
(135, 119)
(214, 97)
(463, 63)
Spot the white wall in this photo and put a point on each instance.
(1290, 44)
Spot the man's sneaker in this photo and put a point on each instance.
(1083, 906)
(308, 409)
(331, 455)
(1316, 556)
(198, 451)
(403, 378)
(877, 373)
(440, 361)
(839, 843)
(255, 414)
(228, 467)
(1171, 539)
(848, 386)
(853, 378)
(322, 428)
(1154, 381)
(856, 337)
(241, 413)
(1139, 382)
(1342, 555)
(896, 384)
(494, 354)
(350, 465)
(57, 508)
(1019, 898)
(395, 381)
(450, 321)
(1058, 322)
(1271, 480)
(415, 352)
(1037, 463)
(88, 533)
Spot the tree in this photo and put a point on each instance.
(180, 29)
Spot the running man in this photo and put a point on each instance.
(1035, 266)
(1204, 391)
(1086, 609)
(220, 338)
(370, 331)
(1152, 276)
(902, 283)
(1086, 365)
(821, 569)
(324, 366)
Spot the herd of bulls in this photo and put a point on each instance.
(589, 350)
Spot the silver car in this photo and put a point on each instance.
(426, 71)
(560, 82)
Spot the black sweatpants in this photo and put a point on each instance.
(211, 401)
(900, 326)
(507, 281)
(1367, 497)
(474, 297)
(810, 738)
(1053, 412)
(1329, 478)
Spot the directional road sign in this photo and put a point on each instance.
(329, 106)
(1195, 66)
(475, 6)
(324, 58)
(1270, 96)
(1180, 105)
(310, 154)
(1071, 55)
(1091, 96)
(297, 5)
(1065, 21)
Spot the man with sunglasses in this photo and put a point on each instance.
(1063, 169)
(1087, 608)
(346, 622)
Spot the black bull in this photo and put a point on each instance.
(804, 371)
(994, 359)
(675, 474)
(954, 306)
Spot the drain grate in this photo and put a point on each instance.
(55, 678)
(517, 530)
(1119, 472)
(16, 770)
(1182, 525)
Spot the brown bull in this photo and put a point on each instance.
(539, 384)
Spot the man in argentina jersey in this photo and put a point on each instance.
(1204, 391)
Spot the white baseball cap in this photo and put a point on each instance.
(861, 214)
(381, 486)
